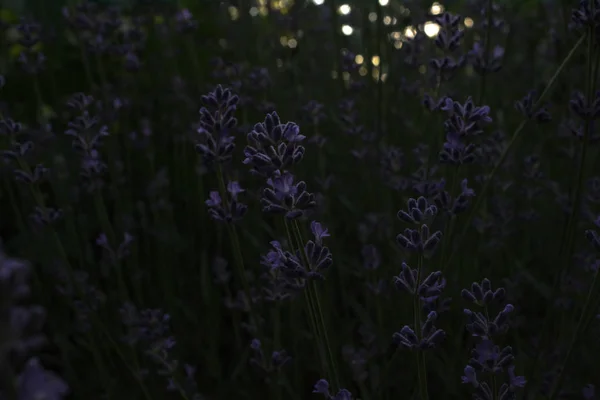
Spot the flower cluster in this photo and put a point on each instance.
(217, 122)
(273, 146)
(488, 361)
(465, 122)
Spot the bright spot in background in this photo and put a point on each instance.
(318, 2)
(372, 17)
(292, 43)
(359, 59)
(384, 2)
(468, 22)
(387, 20)
(431, 29)
(233, 13)
(375, 60)
(410, 32)
(344, 9)
(347, 30)
(436, 8)
(253, 11)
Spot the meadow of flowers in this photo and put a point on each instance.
(277, 199)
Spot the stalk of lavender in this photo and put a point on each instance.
(274, 146)
(448, 41)
(421, 363)
(463, 127)
(216, 147)
(312, 312)
(420, 241)
(585, 20)
(488, 361)
(313, 291)
(88, 134)
(515, 136)
(590, 25)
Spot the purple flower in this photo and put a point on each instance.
(273, 146)
(231, 210)
(515, 381)
(214, 199)
(322, 387)
(286, 197)
(215, 143)
(418, 211)
(470, 376)
(234, 188)
(318, 231)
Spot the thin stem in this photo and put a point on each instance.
(451, 222)
(320, 319)
(582, 325)
(237, 254)
(309, 302)
(112, 240)
(516, 135)
(494, 381)
(421, 363)
(573, 218)
(577, 194)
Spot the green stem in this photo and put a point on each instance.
(494, 381)
(574, 216)
(421, 363)
(578, 192)
(312, 319)
(320, 319)
(588, 308)
(450, 223)
(237, 255)
(516, 135)
(112, 240)
(564, 246)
